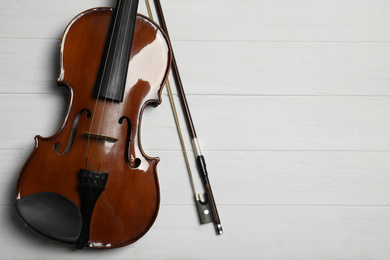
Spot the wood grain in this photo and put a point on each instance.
(291, 104)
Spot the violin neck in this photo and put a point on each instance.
(111, 80)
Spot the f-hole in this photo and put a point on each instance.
(131, 161)
(57, 146)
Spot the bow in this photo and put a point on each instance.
(207, 209)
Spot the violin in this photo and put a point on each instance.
(91, 184)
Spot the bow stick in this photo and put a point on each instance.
(207, 209)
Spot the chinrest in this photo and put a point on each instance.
(52, 215)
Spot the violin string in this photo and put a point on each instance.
(117, 75)
(107, 90)
(99, 90)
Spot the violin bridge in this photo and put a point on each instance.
(101, 137)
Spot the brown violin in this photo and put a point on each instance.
(91, 184)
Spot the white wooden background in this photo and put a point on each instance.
(291, 102)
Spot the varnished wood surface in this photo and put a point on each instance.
(299, 162)
(128, 206)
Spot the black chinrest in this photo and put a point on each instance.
(52, 215)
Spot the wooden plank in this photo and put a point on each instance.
(42, 18)
(250, 233)
(302, 20)
(240, 123)
(258, 178)
(279, 68)
(292, 123)
(29, 65)
(291, 104)
(247, 20)
(228, 68)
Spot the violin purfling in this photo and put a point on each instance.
(91, 184)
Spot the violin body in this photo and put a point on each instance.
(101, 136)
